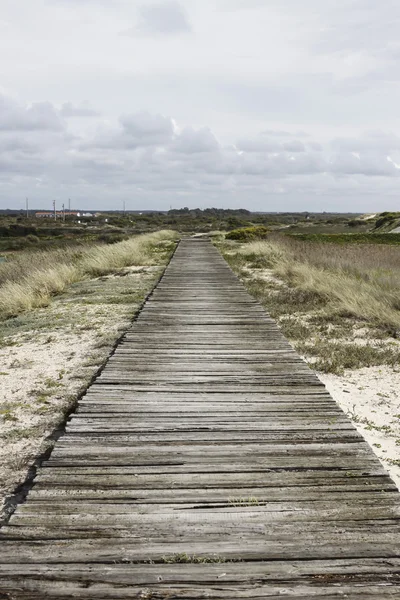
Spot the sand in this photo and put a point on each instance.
(371, 398)
(52, 358)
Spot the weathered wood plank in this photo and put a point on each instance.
(207, 480)
(285, 547)
(385, 505)
(364, 578)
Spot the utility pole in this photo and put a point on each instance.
(27, 208)
(63, 212)
(69, 205)
(54, 209)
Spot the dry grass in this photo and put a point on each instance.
(29, 280)
(339, 305)
(36, 289)
(332, 356)
(101, 260)
(360, 282)
(21, 264)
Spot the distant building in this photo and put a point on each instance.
(60, 214)
(44, 215)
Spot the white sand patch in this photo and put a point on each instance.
(371, 398)
(39, 380)
(52, 358)
(266, 275)
(37, 385)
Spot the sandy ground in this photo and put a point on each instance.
(371, 398)
(50, 356)
(38, 383)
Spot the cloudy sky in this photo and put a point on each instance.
(262, 104)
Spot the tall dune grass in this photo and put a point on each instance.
(30, 279)
(359, 281)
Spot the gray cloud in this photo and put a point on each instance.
(150, 153)
(144, 129)
(372, 142)
(69, 110)
(315, 146)
(263, 144)
(165, 18)
(294, 146)
(363, 26)
(279, 133)
(349, 164)
(11, 143)
(258, 145)
(191, 141)
(35, 117)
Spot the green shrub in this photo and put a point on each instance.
(113, 238)
(32, 239)
(248, 234)
(386, 218)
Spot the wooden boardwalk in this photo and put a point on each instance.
(207, 461)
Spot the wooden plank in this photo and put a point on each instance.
(308, 578)
(385, 506)
(210, 496)
(161, 531)
(132, 521)
(207, 480)
(340, 546)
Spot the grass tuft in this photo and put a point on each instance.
(335, 357)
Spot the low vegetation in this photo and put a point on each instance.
(387, 220)
(29, 280)
(319, 294)
(19, 231)
(350, 238)
(332, 356)
(247, 234)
